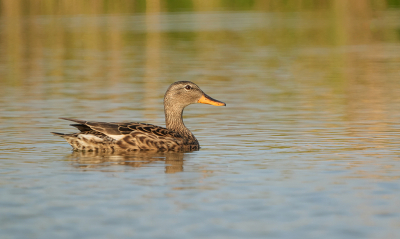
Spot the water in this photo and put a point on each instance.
(307, 146)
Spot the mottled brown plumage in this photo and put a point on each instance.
(110, 137)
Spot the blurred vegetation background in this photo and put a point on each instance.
(35, 34)
(109, 42)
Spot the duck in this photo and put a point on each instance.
(134, 136)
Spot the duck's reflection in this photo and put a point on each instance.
(173, 160)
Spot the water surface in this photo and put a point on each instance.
(307, 146)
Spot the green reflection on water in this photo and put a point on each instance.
(38, 36)
(339, 57)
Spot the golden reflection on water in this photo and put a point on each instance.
(27, 40)
(153, 55)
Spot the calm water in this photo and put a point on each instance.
(307, 147)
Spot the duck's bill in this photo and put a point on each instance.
(205, 99)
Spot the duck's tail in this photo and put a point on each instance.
(59, 134)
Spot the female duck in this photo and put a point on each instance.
(102, 136)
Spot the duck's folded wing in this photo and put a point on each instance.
(108, 129)
(132, 134)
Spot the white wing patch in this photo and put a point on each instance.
(116, 137)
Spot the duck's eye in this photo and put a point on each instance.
(188, 87)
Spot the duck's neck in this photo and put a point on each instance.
(174, 121)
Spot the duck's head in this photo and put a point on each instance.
(184, 93)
